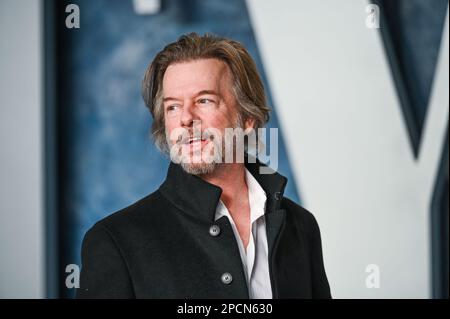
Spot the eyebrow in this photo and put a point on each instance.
(212, 92)
(203, 92)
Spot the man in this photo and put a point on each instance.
(215, 228)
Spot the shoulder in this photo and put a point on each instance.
(143, 215)
(300, 217)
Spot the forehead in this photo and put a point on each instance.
(194, 76)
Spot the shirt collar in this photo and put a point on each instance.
(200, 199)
(256, 198)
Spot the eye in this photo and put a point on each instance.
(205, 101)
(172, 107)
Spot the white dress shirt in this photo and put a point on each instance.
(255, 260)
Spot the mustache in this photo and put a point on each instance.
(191, 136)
(187, 134)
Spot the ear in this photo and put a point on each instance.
(249, 124)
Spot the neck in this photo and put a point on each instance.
(230, 177)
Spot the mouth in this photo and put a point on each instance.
(192, 139)
(195, 142)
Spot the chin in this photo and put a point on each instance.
(199, 168)
(197, 162)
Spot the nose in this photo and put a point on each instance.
(187, 115)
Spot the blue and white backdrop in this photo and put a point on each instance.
(361, 108)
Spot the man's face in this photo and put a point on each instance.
(197, 96)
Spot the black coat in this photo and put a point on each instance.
(161, 246)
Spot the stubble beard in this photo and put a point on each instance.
(202, 167)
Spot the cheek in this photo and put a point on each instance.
(169, 126)
(170, 123)
(218, 120)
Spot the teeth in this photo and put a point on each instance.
(194, 140)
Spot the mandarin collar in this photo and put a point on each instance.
(199, 198)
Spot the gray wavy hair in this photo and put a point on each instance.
(248, 88)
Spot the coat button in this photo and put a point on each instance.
(227, 278)
(214, 230)
(278, 195)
